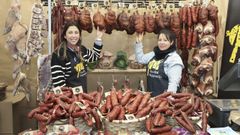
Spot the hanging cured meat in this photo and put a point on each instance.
(110, 20)
(85, 20)
(122, 21)
(149, 22)
(99, 21)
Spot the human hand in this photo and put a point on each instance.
(100, 33)
(139, 37)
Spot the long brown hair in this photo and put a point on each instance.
(63, 45)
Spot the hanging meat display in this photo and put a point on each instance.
(195, 25)
(110, 20)
(12, 17)
(34, 44)
(85, 20)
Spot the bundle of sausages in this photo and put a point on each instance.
(66, 106)
(130, 102)
(178, 106)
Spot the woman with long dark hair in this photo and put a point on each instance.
(164, 65)
(69, 60)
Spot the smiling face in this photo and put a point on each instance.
(163, 42)
(72, 35)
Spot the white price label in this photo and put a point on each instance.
(77, 90)
(57, 90)
(171, 6)
(106, 3)
(121, 4)
(28, 133)
(181, 4)
(74, 2)
(53, 4)
(152, 4)
(94, 5)
(60, 128)
(130, 116)
(206, 2)
(81, 105)
(82, 4)
(107, 93)
(52, 133)
(132, 6)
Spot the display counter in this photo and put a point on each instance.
(8, 116)
(221, 111)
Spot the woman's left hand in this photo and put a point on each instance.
(100, 33)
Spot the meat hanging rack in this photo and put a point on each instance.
(140, 4)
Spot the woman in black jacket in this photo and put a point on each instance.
(69, 60)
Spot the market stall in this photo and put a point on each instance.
(117, 101)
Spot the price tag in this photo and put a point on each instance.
(130, 116)
(28, 133)
(77, 90)
(82, 4)
(181, 4)
(74, 2)
(152, 4)
(171, 6)
(53, 3)
(67, 2)
(52, 133)
(81, 105)
(61, 128)
(94, 5)
(107, 93)
(121, 4)
(106, 3)
(57, 90)
(206, 2)
(132, 6)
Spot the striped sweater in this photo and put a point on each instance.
(61, 70)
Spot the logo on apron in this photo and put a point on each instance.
(79, 67)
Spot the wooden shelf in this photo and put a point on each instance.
(118, 71)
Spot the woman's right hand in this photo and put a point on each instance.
(100, 33)
(139, 37)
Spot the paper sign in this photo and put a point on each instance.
(121, 4)
(106, 3)
(152, 4)
(77, 90)
(52, 133)
(132, 6)
(60, 128)
(57, 90)
(74, 2)
(28, 133)
(94, 5)
(107, 93)
(130, 116)
(82, 4)
(81, 105)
